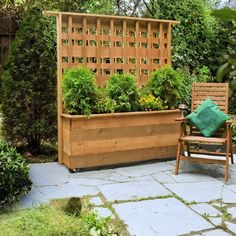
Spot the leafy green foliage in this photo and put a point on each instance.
(199, 39)
(165, 83)
(14, 175)
(227, 72)
(104, 104)
(29, 84)
(200, 75)
(79, 93)
(234, 130)
(123, 90)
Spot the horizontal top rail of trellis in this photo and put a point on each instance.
(113, 44)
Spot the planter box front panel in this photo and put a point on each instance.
(119, 138)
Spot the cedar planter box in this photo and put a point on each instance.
(108, 139)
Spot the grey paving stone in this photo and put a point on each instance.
(231, 226)
(197, 191)
(215, 232)
(191, 177)
(89, 182)
(67, 190)
(231, 187)
(103, 212)
(96, 174)
(46, 174)
(33, 198)
(142, 178)
(133, 190)
(142, 170)
(216, 220)
(228, 196)
(163, 177)
(160, 217)
(96, 201)
(232, 211)
(205, 208)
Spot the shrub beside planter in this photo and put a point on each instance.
(108, 139)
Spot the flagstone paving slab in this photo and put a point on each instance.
(197, 191)
(216, 220)
(232, 211)
(191, 177)
(231, 226)
(133, 190)
(216, 232)
(45, 174)
(96, 201)
(228, 196)
(142, 170)
(33, 198)
(205, 208)
(103, 212)
(161, 217)
(89, 182)
(163, 177)
(67, 191)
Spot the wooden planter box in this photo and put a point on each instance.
(108, 139)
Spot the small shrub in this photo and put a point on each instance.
(104, 104)
(14, 175)
(165, 83)
(150, 103)
(28, 92)
(123, 90)
(79, 92)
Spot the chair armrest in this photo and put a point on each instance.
(228, 122)
(181, 119)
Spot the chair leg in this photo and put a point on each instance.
(178, 157)
(231, 151)
(188, 150)
(227, 161)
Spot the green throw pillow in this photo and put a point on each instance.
(208, 118)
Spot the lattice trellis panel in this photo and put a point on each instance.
(110, 44)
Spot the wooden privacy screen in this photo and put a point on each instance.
(112, 44)
(109, 44)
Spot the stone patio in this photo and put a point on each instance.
(148, 197)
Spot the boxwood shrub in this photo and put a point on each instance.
(14, 175)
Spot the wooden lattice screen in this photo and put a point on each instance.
(110, 44)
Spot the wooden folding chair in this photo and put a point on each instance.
(217, 92)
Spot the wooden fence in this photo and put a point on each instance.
(8, 27)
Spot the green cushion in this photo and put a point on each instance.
(208, 118)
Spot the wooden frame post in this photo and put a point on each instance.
(59, 87)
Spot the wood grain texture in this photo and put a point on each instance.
(119, 138)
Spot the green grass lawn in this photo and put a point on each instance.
(57, 220)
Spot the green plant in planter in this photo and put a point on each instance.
(14, 175)
(150, 103)
(123, 90)
(104, 103)
(79, 91)
(165, 83)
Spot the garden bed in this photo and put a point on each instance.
(109, 139)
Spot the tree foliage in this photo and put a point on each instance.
(29, 84)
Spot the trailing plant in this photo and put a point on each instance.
(79, 91)
(165, 83)
(29, 84)
(123, 90)
(14, 175)
(150, 103)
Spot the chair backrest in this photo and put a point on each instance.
(217, 92)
